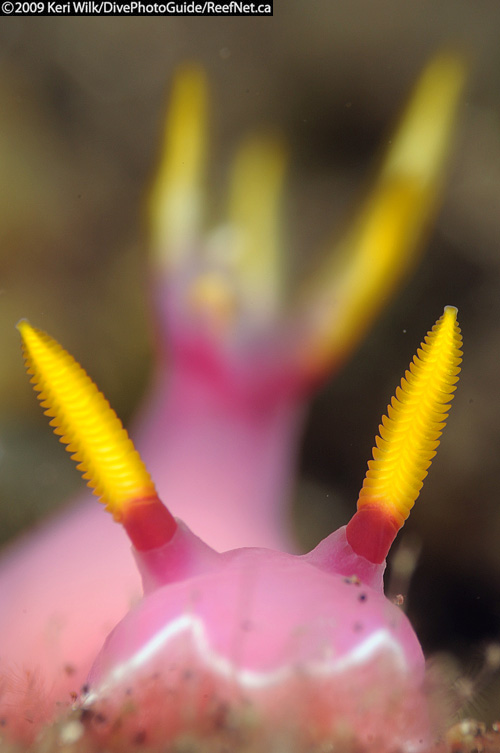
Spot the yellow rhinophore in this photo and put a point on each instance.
(82, 417)
(409, 436)
(255, 221)
(178, 197)
(363, 268)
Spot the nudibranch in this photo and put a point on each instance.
(236, 367)
(274, 650)
(242, 361)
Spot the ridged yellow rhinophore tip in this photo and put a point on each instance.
(380, 246)
(85, 422)
(409, 436)
(177, 195)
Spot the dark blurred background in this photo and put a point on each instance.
(81, 108)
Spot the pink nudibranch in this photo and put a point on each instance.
(220, 428)
(305, 642)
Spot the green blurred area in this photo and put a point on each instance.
(82, 102)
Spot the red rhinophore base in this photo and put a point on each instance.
(148, 523)
(370, 532)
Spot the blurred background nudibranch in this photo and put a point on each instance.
(80, 132)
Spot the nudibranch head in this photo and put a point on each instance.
(280, 649)
(224, 289)
(271, 638)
